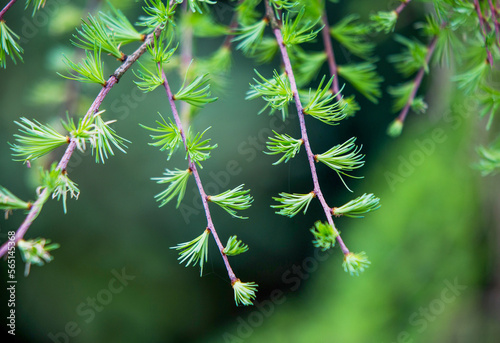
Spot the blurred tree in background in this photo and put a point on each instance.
(433, 244)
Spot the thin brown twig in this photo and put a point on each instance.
(6, 8)
(300, 112)
(194, 170)
(113, 79)
(484, 30)
(332, 65)
(494, 15)
(418, 80)
(401, 7)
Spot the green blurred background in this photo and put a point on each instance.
(433, 244)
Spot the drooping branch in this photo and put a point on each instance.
(332, 65)
(417, 81)
(194, 170)
(494, 15)
(113, 79)
(186, 58)
(310, 156)
(6, 8)
(484, 30)
(401, 7)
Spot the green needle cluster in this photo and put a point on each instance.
(9, 45)
(232, 200)
(197, 149)
(234, 247)
(36, 140)
(353, 35)
(324, 235)
(195, 251)
(356, 207)
(291, 204)
(94, 33)
(275, 91)
(90, 70)
(250, 36)
(9, 202)
(299, 30)
(355, 263)
(169, 137)
(244, 292)
(343, 158)
(323, 106)
(283, 144)
(36, 251)
(123, 31)
(177, 180)
(197, 93)
(384, 21)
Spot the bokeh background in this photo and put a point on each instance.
(433, 244)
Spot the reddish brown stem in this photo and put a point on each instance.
(401, 7)
(199, 184)
(484, 30)
(6, 8)
(418, 80)
(310, 156)
(113, 79)
(494, 15)
(332, 65)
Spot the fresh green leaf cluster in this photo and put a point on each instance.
(177, 180)
(489, 162)
(64, 186)
(158, 14)
(234, 247)
(197, 93)
(356, 207)
(9, 201)
(401, 94)
(355, 263)
(364, 78)
(412, 59)
(9, 45)
(283, 144)
(90, 70)
(160, 51)
(169, 137)
(123, 30)
(299, 30)
(306, 64)
(81, 133)
(37, 4)
(196, 5)
(324, 235)
(384, 21)
(36, 251)
(395, 128)
(322, 105)
(232, 200)
(250, 36)
(291, 204)
(198, 150)
(352, 35)
(148, 80)
(36, 140)
(94, 33)
(105, 138)
(343, 158)
(275, 91)
(244, 292)
(195, 251)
